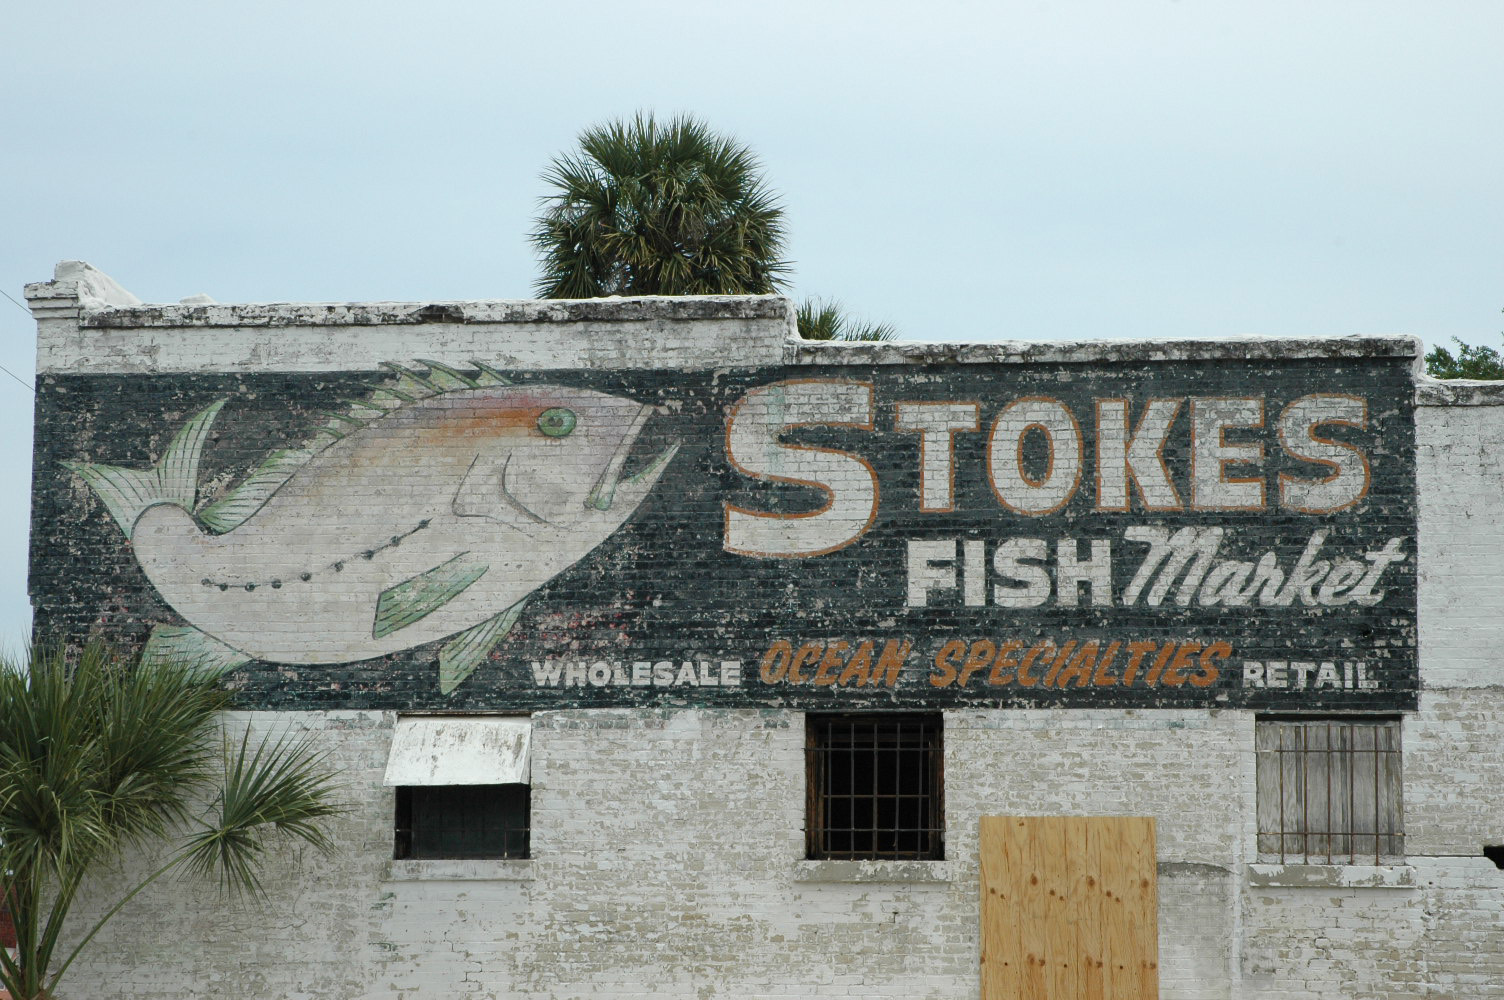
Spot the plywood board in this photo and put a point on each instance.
(1069, 909)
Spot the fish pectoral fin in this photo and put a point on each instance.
(419, 596)
(185, 644)
(461, 655)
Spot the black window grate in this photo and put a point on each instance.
(463, 821)
(875, 787)
(1329, 791)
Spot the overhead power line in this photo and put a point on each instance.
(2, 367)
(18, 305)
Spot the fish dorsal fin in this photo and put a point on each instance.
(442, 374)
(411, 383)
(236, 507)
(489, 375)
(178, 471)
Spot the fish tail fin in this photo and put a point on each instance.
(173, 480)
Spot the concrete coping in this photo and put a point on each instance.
(1249, 348)
(458, 871)
(1270, 876)
(104, 304)
(88, 299)
(300, 314)
(1458, 392)
(904, 872)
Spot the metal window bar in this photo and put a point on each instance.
(1329, 791)
(463, 821)
(875, 787)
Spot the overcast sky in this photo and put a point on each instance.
(1044, 170)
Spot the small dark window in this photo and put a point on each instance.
(875, 788)
(1329, 791)
(462, 821)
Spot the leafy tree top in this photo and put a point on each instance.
(1471, 361)
(658, 208)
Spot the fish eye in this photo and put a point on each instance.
(556, 422)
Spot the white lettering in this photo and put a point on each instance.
(1211, 488)
(754, 446)
(1138, 458)
(1011, 482)
(931, 567)
(1019, 561)
(1347, 478)
(1095, 572)
(937, 425)
(546, 673)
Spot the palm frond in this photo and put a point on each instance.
(276, 787)
(825, 319)
(100, 754)
(650, 208)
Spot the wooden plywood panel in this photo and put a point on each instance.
(1069, 908)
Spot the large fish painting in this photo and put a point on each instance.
(432, 509)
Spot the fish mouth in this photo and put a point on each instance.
(612, 485)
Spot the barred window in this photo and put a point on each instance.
(463, 821)
(462, 786)
(1329, 791)
(875, 788)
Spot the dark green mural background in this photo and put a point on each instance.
(663, 589)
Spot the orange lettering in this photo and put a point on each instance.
(775, 662)
(1175, 675)
(1049, 678)
(1037, 650)
(893, 656)
(835, 656)
(981, 654)
(1136, 652)
(1080, 666)
(1005, 658)
(1165, 652)
(808, 653)
(944, 658)
(1102, 678)
(857, 668)
(1209, 671)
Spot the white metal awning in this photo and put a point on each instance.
(461, 751)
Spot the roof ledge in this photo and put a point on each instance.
(77, 284)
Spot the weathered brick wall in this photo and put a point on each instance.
(668, 863)
(1460, 466)
(668, 824)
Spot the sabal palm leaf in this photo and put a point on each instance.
(99, 756)
(279, 786)
(826, 320)
(658, 209)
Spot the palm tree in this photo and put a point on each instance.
(99, 757)
(658, 209)
(827, 320)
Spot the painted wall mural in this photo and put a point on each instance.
(455, 536)
(485, 490)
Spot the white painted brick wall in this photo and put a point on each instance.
(1460, 471)
(667, 848)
